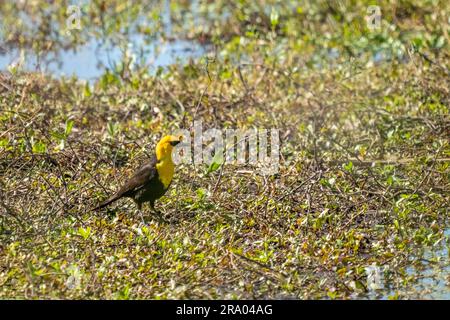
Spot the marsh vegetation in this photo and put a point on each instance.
(358, 209)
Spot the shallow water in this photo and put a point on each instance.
(431, 274)
(434, 274)
(90, 60)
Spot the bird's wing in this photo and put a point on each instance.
(139, 179)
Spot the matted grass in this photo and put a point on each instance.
(364, 169)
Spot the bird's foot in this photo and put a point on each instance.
(143, 218)
(159, 216)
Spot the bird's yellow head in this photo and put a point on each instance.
(165, 146)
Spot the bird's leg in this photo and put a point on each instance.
(158, 214)
(139, 205)
(152, 205)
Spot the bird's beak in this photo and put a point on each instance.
(176, 140)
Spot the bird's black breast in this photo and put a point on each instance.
(144, 185)
(152, 190)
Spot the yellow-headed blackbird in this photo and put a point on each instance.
(151, 181)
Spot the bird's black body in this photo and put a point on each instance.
(143, 186)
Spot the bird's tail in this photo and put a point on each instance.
(106, 202)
